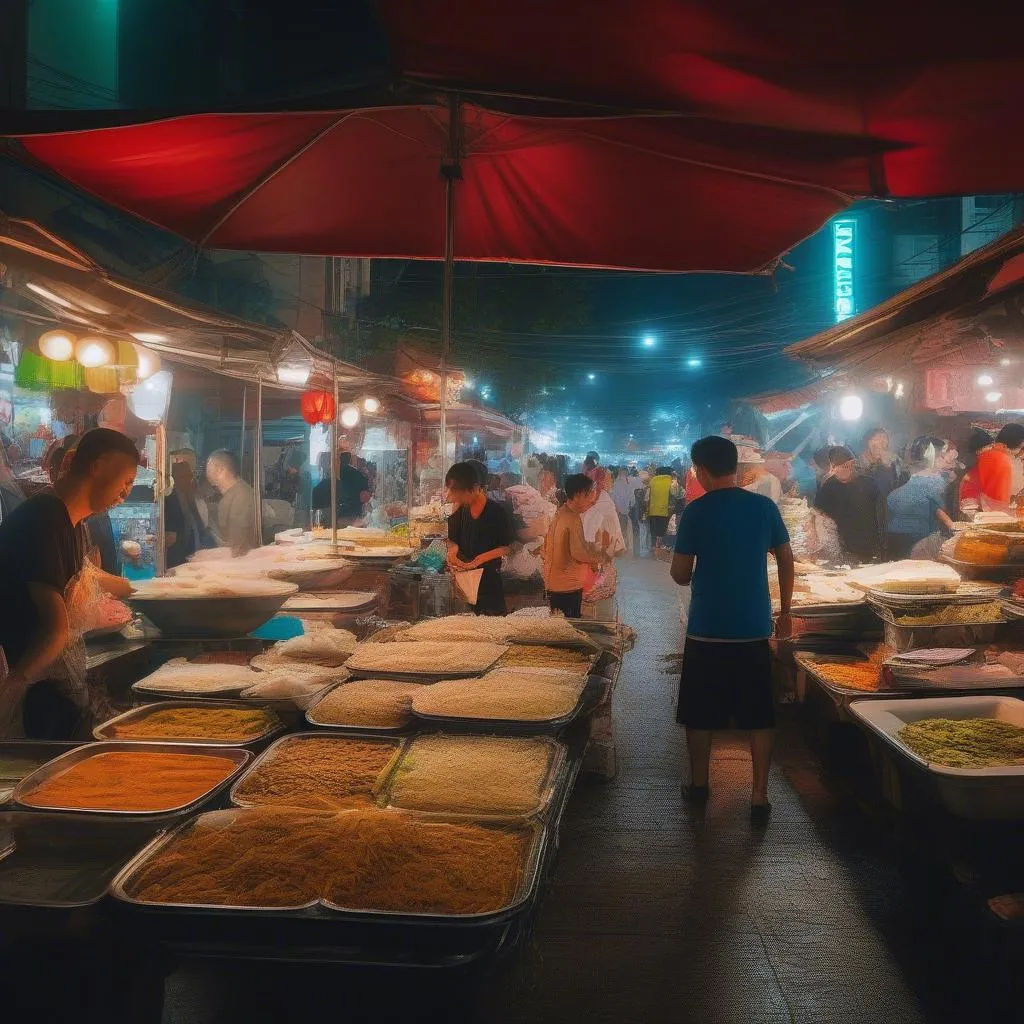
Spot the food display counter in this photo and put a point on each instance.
(422, 785)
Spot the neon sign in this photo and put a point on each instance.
(844, 237)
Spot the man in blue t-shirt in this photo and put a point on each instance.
(722, 548)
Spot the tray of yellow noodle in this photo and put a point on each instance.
(268, 876)
(476, 776)
(963, 754)
(508, 700)
(231, 723)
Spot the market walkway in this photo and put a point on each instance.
(651, 917)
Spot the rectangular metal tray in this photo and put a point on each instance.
(298, 737)
(527, 888)
(369, 730)
(842, 695)
(238, 756)
(38, 751)
(589, 698)
(422, 677)
(981, 794)
(550, 786)
(306, 917)
(106, 731)
(89, 851)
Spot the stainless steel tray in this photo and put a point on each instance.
(240, 758)
(528, 884)
(306, 916)
(299, 737)
(589, 697)
(107, 731)
(550, 785)
(369, 730)
(121, 884)
(915, 785)
(71, 860)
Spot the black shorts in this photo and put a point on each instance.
(726, 684)
(658, 525)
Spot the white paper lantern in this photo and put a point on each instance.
(149, 398)
(57, 345)
(92, 351)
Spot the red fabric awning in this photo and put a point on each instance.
(705, 135)
(649, 193)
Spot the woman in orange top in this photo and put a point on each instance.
(995, 468)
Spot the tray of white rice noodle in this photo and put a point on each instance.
(309, 570)
(478, 777)
(324, 648)
(818, 593)
(340, 602)
(182, 678)
(366, 705)
(512, 699)
(209, 606)
(424, 660)
(549, 631)
(909, 576)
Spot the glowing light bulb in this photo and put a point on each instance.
(57, 345)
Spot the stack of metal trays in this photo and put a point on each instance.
(322, 931)
(60, 861)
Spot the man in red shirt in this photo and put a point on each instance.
(995, 467)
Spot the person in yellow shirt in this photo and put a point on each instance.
(659, 504)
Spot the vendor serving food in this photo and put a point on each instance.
(479, 536)
(41, 557)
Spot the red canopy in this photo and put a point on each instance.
(737, 130)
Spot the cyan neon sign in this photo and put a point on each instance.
(844, 237)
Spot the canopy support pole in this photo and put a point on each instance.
(241, 440)
(334, 465)
(451, 171)
(257, 465)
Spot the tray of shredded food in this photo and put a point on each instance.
(847, 677)
(965, 753)
(367, 864)
(371, 705)
(426, 660)
(478, 777)
(506, 699)
(318, 771)
(231, 723)
(132, 779)
(63, 862)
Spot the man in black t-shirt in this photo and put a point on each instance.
(40, 553)
(353, 491)
(853, 502)
(479, 536)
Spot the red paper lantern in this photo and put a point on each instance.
(317, 407)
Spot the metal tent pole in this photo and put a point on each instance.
(334, 464)
(257, 464)
(241, 441)
(451, 170)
